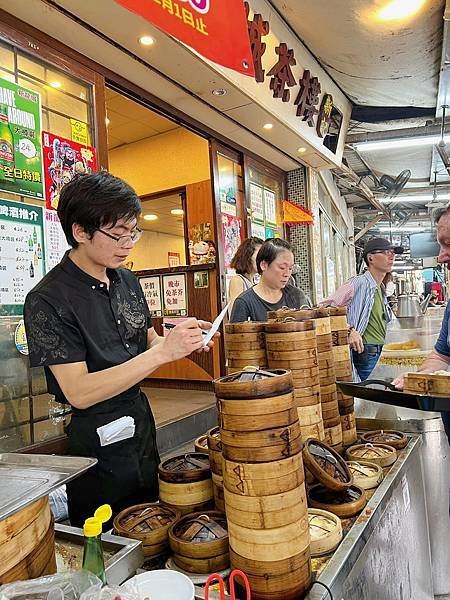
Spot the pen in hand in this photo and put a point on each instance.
(171, 326)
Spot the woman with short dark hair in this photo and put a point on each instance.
(244, 263)
(274, 262)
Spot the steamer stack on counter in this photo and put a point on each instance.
(343, 369)
(245, 345)
(216, 462)
(292, 345)
(263, 477)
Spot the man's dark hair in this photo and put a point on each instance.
(441, 212)
(94, 201)
(270, 250)
(241, 261)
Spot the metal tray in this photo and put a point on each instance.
(124, 555)
(24, 478)
(384, 392)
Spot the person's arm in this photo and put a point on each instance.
(343, 296)
(235, 290)
(83, 389)
(240, 311)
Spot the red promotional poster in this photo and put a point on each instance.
(62, 160)
(216, 29)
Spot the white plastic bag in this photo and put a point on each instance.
(128, 591)
(62, 586)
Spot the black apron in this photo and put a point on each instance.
(127, 471)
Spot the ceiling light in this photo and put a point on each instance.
(424, 140)
(268, 126)
(404, 229)
(55, 84)
(146, 40)
(301, 150)
(399, 9)
(150, 217)
(418, 198)
(219, 92)
(107, 121)
(177, 211)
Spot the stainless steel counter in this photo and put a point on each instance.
(386, 554)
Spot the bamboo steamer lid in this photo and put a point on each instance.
(345, 504)
(396, 439)
(201, 444)
(325, 531)
(148, 523)
(367, 475)
(381, 454)
(200, 535)
(326, 465)
(253, 383)
(189, 467)
(263, 479)
(245, 327)
(269, 545)
(255, 406)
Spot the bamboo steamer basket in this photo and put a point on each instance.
(262, 446)
(428, 383)
(367, 475)
(308, 356)
(263, 479)
(185, 481)
(236, 365)
(266, 512)
(309, 415)
(288, 579)
(277, 543)
(333, 435)
(327, 380)
(324, 343)
(184, 495)
(257, 422)
(305, 371)
(247, 355)
(241, 407)
(339, 323)
(187, 509)
(341, 353)
(344, 504)
(246, 341)
(342, 372)
(219, 500)
(27, 542)
(253, 384)
(396, 439)
(380, 454)
(326, 465)
(215, 450)
(325, 531)
(316, 431)
(201, 444)
(304, 329)
(199, 541)
(308, 392)
(245, 327)
(184, 468)
(339, 338)
(327, 389)
(289, 342)
(148, 523)
(348, 422)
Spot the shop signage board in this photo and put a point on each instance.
(174, 295)
(215, 29)
(20, 140)
(290, 84)
(22, 253)
(63, 159)
(151, 287)
(79, 132)
(55, 241)
(232, 237)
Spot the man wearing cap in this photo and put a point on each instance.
(368, 311)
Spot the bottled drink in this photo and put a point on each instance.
(93, 551)
(31, 269)
(34, 236)
(6, 144)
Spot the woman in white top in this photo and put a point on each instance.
(244, 263)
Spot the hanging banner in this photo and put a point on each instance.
(20, 140)
(22, 255)
(55, 241)
(295, 215)
(63, 159)
(216, 29)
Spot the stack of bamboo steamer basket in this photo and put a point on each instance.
(244, 345)
(185, 482)
(216, 462)
(27, 539)
(291, 344)
(343, 368)
(263, 476)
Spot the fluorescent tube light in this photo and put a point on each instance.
(418, 198)
(424, 140)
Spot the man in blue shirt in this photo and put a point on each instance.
(439, 359)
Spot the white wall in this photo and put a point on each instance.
(151, 250)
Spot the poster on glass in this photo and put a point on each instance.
(174, 294)
(20, 140)
(151, 287)
(256, 202)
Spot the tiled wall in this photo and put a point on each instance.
(299, 235)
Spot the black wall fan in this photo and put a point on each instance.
(392, 186)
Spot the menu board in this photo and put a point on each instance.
(55, 241)
(270, 207)
(256, 202)
(174, 293)
(22, 254)
(151, 286)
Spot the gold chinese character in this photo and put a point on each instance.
(177, 10)
(167, 5)
(8, 172)
(188, 17)
(18, 173)
(36, 176)
(27, 175)
(200, 26)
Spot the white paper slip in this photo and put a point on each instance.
(120, 429)
(215, 325)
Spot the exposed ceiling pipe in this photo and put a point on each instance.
(427, 130)
(440, 147)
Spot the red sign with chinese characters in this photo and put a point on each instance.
(216, 29)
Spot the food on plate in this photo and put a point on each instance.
(411, 345)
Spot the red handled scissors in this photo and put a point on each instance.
(216, 578)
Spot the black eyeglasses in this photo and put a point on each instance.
(124, 240)
(388, 252)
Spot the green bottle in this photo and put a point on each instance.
(6, 146)
(93, 551)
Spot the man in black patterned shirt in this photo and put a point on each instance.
(89, 326)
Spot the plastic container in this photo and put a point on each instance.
(164, 584)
